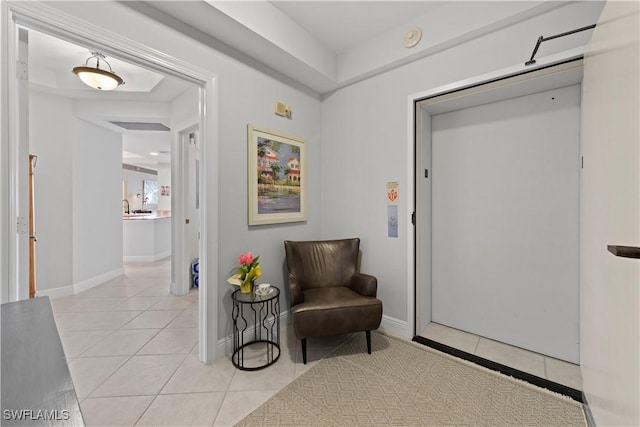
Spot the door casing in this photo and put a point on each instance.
(477, 90)
(41, 17)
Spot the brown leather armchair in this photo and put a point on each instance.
(328, 294)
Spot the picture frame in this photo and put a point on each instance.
(277, 170)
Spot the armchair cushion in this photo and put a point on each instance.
(334, 311)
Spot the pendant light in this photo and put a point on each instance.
(98, 78)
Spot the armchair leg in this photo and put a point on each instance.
(304, 350)
(368, 341)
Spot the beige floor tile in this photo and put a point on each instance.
(452, 337)
(194, 376)
(154, 290)
(239, 404)
(76, 342)
(138, 303)
(88, 373)
(140, 375)
(172, 341)
(122, 281)
(93, 321)
(100, 291)
(514, 357)
(123, 342)
(152, 319)
(79, 304)
(563, 372)
(114, 411)
(199, 409)
(172, 302)
(188, 319)
(277, 376)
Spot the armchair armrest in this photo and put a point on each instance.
(364, 284)
(295, 290)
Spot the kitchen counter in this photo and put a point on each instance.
(147, 216)
(146, 237)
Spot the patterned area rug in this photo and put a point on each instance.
(407, 384)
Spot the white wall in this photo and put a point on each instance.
(51, 130)
(505, 179)
(78, 198)
(364, 134)
(185, 108)
(97, 202)
(245, 96)
(164, 179)
(610, 210)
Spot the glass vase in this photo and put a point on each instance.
(247, 286)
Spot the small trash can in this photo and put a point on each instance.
(195, 269)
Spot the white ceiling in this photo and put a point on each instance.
(326, 45)
(341, 25)
(50, 63)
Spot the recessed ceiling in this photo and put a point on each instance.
(50, 63)
(341, 25)
(142, 126)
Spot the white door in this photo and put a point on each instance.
(505, 221)
(193, 195)
(19, 156)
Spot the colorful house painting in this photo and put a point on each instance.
(265, 165)
(293, 170)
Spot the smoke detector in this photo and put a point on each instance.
(412, 38)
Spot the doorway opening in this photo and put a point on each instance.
(140, 56)
(494, 260)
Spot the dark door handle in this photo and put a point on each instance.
(624, 251)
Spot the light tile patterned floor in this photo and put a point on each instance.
(132, 352)
(534, 363)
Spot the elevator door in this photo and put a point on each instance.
(505, 221)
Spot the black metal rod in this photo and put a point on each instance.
(541, 39)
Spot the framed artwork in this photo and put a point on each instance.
(277, 177)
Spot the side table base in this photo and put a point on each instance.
(272, 353)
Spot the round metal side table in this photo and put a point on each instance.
(256, 328)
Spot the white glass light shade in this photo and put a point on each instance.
(97, 78)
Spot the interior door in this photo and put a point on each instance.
(505, 221)
(19, 254)
(193, 195)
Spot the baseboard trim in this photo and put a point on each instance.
(76, 288)
(63, 291)
(591, 422)
(388, 325)
(97, 280)
(507, 370)
(146, 258)
(394, 326)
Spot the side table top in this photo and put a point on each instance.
(252, 297)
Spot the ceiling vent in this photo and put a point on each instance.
(142, 126)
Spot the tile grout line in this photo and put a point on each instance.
(165, 383)
(226, 393)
